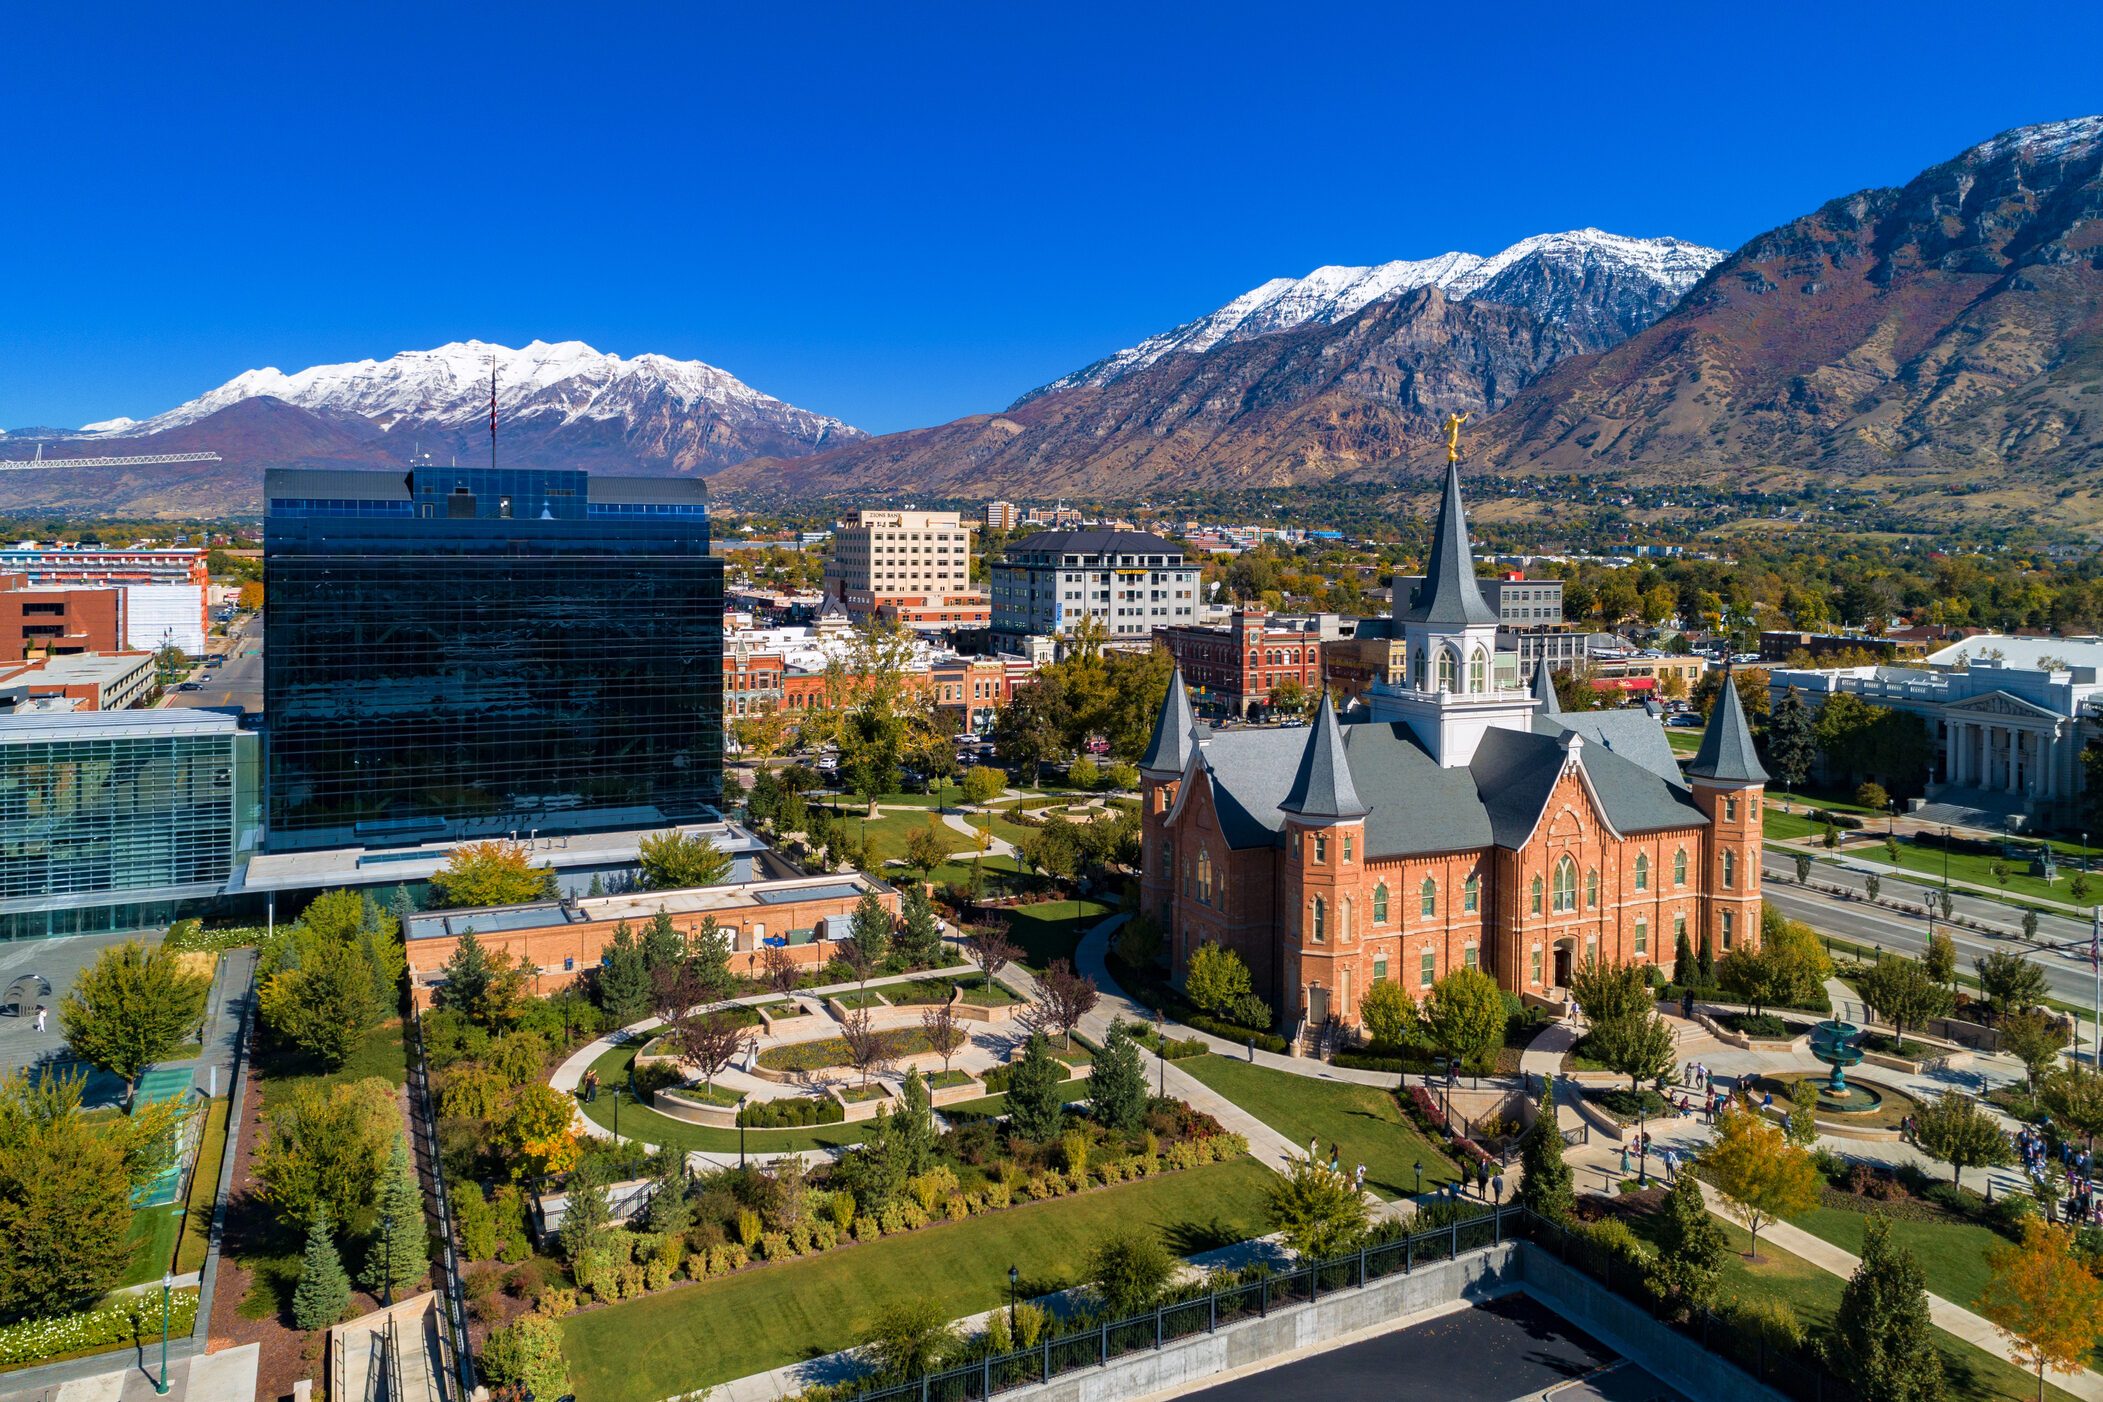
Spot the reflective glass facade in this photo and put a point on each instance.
(458, 652)
(112, 822)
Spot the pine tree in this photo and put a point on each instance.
(920, 942)
(1792, 740)
(399, 1251)
(1036, 1106)
(710, 958)
(596, 888)
(324, 1291)
(663, 945)
(1117, 1082)
(1545, 1187)
(624, 979)
(1691, 1245)
(671, 1210)
(1882, 1340)
(587, 1214)
(913, 1126)
(1684, 970)
(1705, 965)
(467, 974)
(872, 928)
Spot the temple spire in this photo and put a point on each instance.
(1176, 733)
(1726, 754)
(1322, 787)
(1449, 595)
(1544, 690)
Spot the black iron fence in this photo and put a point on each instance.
(1096, 1343)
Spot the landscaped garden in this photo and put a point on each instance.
(1367, 1124)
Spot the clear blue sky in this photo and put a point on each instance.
(896, 213)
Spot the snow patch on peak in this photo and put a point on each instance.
(116, 425)
(450, 385)
(1333, 293)
(2046, 139)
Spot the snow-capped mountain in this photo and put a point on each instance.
(1599, 283)
(538, 386)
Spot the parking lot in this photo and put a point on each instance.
(1498, 1351)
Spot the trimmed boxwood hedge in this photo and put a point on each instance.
(793, 1112)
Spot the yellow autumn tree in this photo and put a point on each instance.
(2045, 1300)
(1761, 1175)
(537, 1129)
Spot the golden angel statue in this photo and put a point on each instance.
(1453, 423)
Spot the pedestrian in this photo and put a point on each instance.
(43, 1016)
(1314, 1150)
(1482, 1178)
(1497, 1183)
(1335, 1159)
(1671, 1164)
(1624, 1158)
(1358, 1179)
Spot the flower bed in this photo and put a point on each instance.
(1628, 1107)
(118, 1324)
(857, 1095)
(832, 1051)
(1178, 1048)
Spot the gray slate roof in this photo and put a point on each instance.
(1544, 690)
(1417, 807)
(1449, 594)
(1176, 732)
(1726, 752)
(1321, 787)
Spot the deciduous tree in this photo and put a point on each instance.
(1065, 999)
(1761, 1175)
(2074, 1097)
(132, 1007)
(2035, 1038)
(778, 969)
(945, 1035)
(65, 1200)
(1464, 1015)
(1903, 991)
(1316, 1211)
(1954, 1129)
(496, 872)
(1637, 1045)
(869, 1049)
(711, 1041)
(2045, 1299)
(677, 861)
(990, 950)
(324, 1147)
(1217, 980)
(1388, 1013)
(2010, 981)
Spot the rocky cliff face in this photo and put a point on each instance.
(1302, 405)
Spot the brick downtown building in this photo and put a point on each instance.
(1450, 821)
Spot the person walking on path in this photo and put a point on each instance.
(43, 1016)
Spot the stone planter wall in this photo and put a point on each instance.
(1707, 1018)
(674, 1104)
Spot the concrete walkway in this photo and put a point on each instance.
(960, 821)
(1952, 1319)
(227, 1376)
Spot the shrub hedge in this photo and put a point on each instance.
(792, 1112)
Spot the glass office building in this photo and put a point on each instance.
(120, 820)
(470, 652)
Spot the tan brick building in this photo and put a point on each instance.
(1450, 821)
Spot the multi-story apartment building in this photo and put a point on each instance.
(1002, 516)
(1128, 581)
(911, 565)
(1517, 601)
(1233, 670)
(464, 653)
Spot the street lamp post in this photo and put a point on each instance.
(1161, 1052)
(616, 1114)
(741, 1143)
(1642, 1145)
(167, 1287)
(1013, 1277)
(1420, 1177)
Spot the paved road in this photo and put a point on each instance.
(1507, 1348)
(2067, 973)
(237, 683)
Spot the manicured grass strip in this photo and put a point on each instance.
(700, 1335)
(153, 1234)
(204, 1188)
(1814, 1294)
(641, 1122)
(985, 1105)
(1366, 1123)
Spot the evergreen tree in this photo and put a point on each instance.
(1691, 1245)
(467, 974)
(872, 928)
(624, 979)
(1684, 969)
(587, 1213)
(913, 1126)
(1117, 1081)
(1545, 1186)
(404, 906)
(709, 958)
(1882, 1340)
(671, 1210)
(596, 888)
(920, 942)
(1705, 964)
(324, 1291)
(1792, 740)
(1036, 1105)
(399, 1251)
(663, 946)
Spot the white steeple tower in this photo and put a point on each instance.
(1449, 636)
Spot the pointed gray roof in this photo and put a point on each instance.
(1544, 690)
(1449, 594)
(1726, 754)
(1322, 787)
(1176, 733)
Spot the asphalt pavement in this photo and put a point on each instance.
(235, 685)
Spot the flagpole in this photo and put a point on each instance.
(2095, 966)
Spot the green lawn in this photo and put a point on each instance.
(1050, 929)
(889, 834)
(1814, 1294)
(992, 1105)
(1951, 1254)
(204, 1188)
(153, 1234)
(696, 1336)
(641, 1122)
(1366, 1123)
